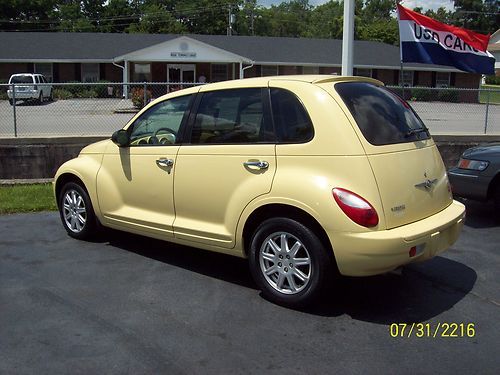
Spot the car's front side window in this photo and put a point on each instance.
(235, 116)
(160, 125)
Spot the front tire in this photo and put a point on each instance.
(77, 213)
(40, 98)
(288, 262)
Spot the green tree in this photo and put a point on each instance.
(72, 18)
(477, 15)
(326, 21)
(117, 16)
(206, 16)
(155, 19)
(26, 14)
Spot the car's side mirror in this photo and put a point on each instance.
(120, 138)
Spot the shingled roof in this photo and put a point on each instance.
(106, 47)
(24, 46)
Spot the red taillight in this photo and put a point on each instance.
(355, 207)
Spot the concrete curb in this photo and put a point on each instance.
(26, 181)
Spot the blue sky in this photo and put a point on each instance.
(428, 4)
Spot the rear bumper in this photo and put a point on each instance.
(372, 253)
(29, 94)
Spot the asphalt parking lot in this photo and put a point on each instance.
(128, 304)
(96, 117)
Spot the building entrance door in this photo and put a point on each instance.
(180, 73)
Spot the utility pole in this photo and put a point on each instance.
(230, 20)
(348, 38)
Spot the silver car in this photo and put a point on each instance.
(29, 86)
(477, 175)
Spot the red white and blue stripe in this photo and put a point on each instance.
(427, 41)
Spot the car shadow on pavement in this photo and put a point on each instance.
(481, 214)
(224, 267)
(420, 292)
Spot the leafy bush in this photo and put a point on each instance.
(421, 95)
(493, 80)
(88, 93)
(3, 89)
(75, 89)
(447, 95)
(79, 90)
(138, 97)
(102, 89)
(62, 94)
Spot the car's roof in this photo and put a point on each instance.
(264, 81)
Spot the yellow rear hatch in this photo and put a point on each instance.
(412, 184)
(407, 166)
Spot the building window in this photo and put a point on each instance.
(407, 78)
(45, 69)
(90, 72)
(269, 70)
(287, 70)
(219, 72)
(443, 79)
(363, 72)
(310, 70)
(142, 72)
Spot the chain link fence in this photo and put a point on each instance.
(454, 110)
(98, 109)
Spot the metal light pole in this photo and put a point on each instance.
(348, 38)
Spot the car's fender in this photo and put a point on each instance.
(85, 167)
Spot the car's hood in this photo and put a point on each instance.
(482, 151)
(96, 148)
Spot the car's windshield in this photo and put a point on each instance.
(382, 116)
(21, 79)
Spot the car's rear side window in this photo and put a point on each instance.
(291, 120)
(382, 116)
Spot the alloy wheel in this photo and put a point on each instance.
(74, 211)
(285, 263)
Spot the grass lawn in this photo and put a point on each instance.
(494, 96)
(26, 198)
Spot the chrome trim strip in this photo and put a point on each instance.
(463, 175)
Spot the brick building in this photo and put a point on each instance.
(92, 57)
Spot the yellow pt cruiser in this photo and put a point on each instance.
(306, 176)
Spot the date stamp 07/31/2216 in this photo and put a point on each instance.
(433, 330)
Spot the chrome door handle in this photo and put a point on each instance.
(258, 164)
(164, 162)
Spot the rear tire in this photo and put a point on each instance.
(288, 262)
(11, 101)
(76, 212)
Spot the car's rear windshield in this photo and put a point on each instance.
(382, 116)
(22, 79)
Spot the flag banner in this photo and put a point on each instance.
(427, 41)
